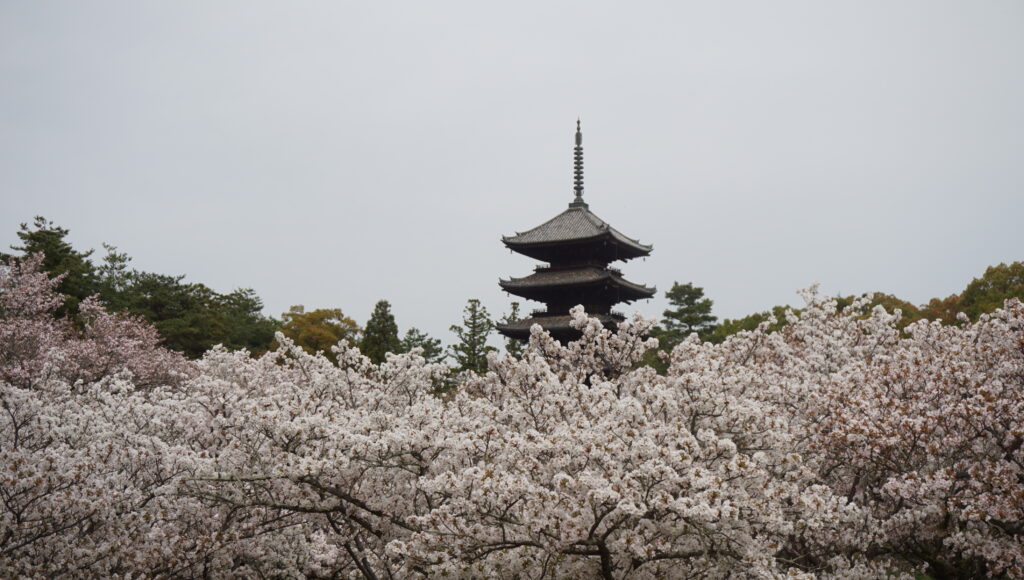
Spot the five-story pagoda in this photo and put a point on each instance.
(578, 246)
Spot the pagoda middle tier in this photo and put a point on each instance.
(595, 287)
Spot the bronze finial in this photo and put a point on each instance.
(578, 167)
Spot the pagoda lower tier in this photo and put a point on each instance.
(596, 288)
(557, 324)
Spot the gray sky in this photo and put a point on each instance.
(331, 154)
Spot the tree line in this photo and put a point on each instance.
(690, 311)
(191, 317)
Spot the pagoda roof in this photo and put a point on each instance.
(585, 276)
(576, 224)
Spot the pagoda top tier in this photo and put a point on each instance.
(576, 227)
(576, 232)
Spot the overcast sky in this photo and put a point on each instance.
(331, 153)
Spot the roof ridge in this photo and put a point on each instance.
(540, 226)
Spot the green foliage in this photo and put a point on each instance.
(909, 312)
(998, 284)
(690, 312)
(470, 353)
(944, 310)
(114, 274)
(730, 327)
(61, 259)
(982, 295)
(381, 334)
(190, 317)
(415, 338)
(183, 313)
(513, 346)
(319, 330)
(247, 326)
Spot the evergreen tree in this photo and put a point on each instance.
(190, 317)
(415, 338)
(60, 258)
(381, 333)
(690, 312)
(514, 346)
(471, 351)
(185, 314)
(247, 326)
(115, 278)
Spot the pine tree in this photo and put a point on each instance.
(59, 258)
(415, 338)
(690, 312)
(381, 333)
(513, 346)
(471, 352)
(190, 317)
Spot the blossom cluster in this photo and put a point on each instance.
(838, 447)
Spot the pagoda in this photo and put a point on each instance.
(577, 248)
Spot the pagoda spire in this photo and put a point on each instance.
(578, 168)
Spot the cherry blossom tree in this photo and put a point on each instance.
(35, 345)
(571, 462)
(925, 431)
(80, 465)
(921, 429)
(839, 446)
